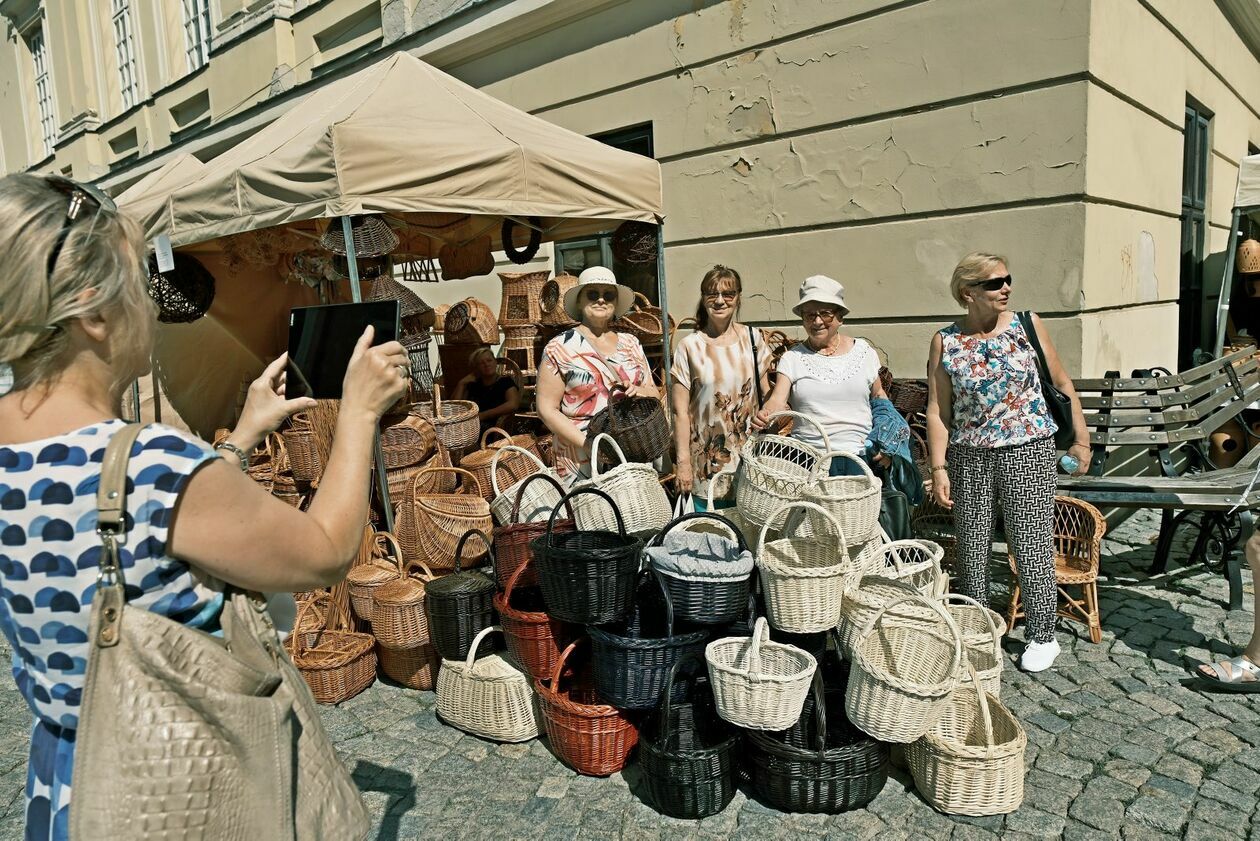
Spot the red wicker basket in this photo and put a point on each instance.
(533, 637)
(593, 738)
(511, 542)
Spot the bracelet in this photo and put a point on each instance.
(236, 451)
(944, 467)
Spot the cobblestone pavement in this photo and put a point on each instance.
(1117, 746)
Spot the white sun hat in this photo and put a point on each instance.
(597, 276)
(823, 290)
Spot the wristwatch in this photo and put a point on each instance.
(240, 454)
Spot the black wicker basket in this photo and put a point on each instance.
(844, 770)
(687, 752)
(637, 424)
(460, 605)
(183, 294)
(705, 602)
(587, 577)
(633, 658)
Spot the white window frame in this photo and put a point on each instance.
(125, 50)
(196, 33)
(38, 46)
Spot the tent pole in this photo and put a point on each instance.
(378, 457)
(1227, 286)
(662, 295)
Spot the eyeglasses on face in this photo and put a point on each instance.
(825, 316)
(606, 293)
(992, 284)
(81, 196)
(724, 294)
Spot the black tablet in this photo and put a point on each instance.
(321, 340)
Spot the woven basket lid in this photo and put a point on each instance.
(372, 237)
(466, 583)
(401, 592)
(385, 288)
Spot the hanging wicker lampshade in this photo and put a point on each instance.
(634, 242)
(372, 237)
(1248, 256)
(370, 268)
(183, 294)
(416, 315)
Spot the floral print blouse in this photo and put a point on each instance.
(997, 400)
(588, 379)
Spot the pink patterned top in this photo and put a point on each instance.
(997, 400)
(588, 378)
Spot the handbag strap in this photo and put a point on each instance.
(1030, 330)
(111, 525)
(752, 341)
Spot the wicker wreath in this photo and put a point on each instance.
(531, 248)
(635, 242)
(183, 294)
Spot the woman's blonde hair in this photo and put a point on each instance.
(477, 354)
(975, 266)
(103, 251)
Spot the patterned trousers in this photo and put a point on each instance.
(1021, 479)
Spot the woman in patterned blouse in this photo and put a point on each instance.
(986, 407)
(76, 327)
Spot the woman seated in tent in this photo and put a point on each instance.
(497, 395)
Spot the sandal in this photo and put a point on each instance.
(1238, 674)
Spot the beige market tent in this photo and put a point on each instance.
(1246, 201)
(444, 162)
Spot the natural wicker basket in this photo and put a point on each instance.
(522, 297)
(336, 662)
(398, 611)
(400, 479)
(299, 441)
(384, 565)
(512, 462)
(471, 322)
(429, 525)
(455, 421)
(407, 441)
(552, 309)
(533, 507)
(519, 345)
(853, 500)
(759, 684)
(415, 668)
(775, 470)
(635, 489)
(804, 578)
(489, 696)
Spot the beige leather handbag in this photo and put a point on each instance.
(183, 735)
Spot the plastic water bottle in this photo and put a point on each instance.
(1069, 463)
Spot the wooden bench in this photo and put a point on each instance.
(1169, 418)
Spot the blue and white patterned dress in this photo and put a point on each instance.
(49, 554)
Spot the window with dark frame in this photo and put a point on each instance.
(1194, 330)
(573, 256)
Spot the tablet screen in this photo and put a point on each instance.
(321, 340)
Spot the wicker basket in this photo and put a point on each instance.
(909, 397)
(804, 579)
(522, 297)
(759, 684)
(514, 462)
(914, 562)
(299, 441)
(536, 504)
(336, 662)
(400, 479)
(533, 638)
(455, 421)
(903, 675)
(470, 322)
(701, 593)
(637, 424)
(398, 614)
(407, 441)
(415, 668)
(385, 564)
(775, 470)
(523, 440)
(633, 657)
(512, 541)
(519, 344)
(592, 738)
(635, 490)
(552, 309)
(460, 605)
(862, 603)
(1248, 256)
(489, 697)
(688, 755)
(853, 500)
(430, 525)
(972, 760)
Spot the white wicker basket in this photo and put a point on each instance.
(804, 579)
(539, 499)
(853, 500)
(775, 470)
(757, 683)
(635, 488)
(489, 697)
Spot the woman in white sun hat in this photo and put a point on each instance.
(581, 367)
(829, 376)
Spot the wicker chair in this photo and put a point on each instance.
(1078, 533)
(932, 522)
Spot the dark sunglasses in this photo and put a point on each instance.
(81, 196)
(993, 284)
(594, 295)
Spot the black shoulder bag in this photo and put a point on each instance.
(752, 342)
(1059, 404)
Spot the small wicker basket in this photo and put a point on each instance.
(759, 684)
(489, 696)
(336, 662)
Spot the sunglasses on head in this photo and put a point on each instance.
(993, 284)
(81, 196)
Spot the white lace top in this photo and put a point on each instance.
(835, 391)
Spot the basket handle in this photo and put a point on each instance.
(695, 667)
(659, 538)
(856, 459)
(299, 635)
(761, 631)
(476, 643)
(984, 611)
(458, 471)
(820, 712)
(516, 574)
(498, 454)
(500, 430)
(649, 570)
(585, 489)
(520, 490)
(383, 538)
(558, 669)
(437, 401)
(933, 604)
(808, 506)
(822, 433)
(986, 718)
(603, 436)
(463, 538)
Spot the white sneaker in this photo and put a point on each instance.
(1039, 656)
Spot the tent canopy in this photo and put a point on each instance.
(1248, 196)
(405, 139)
